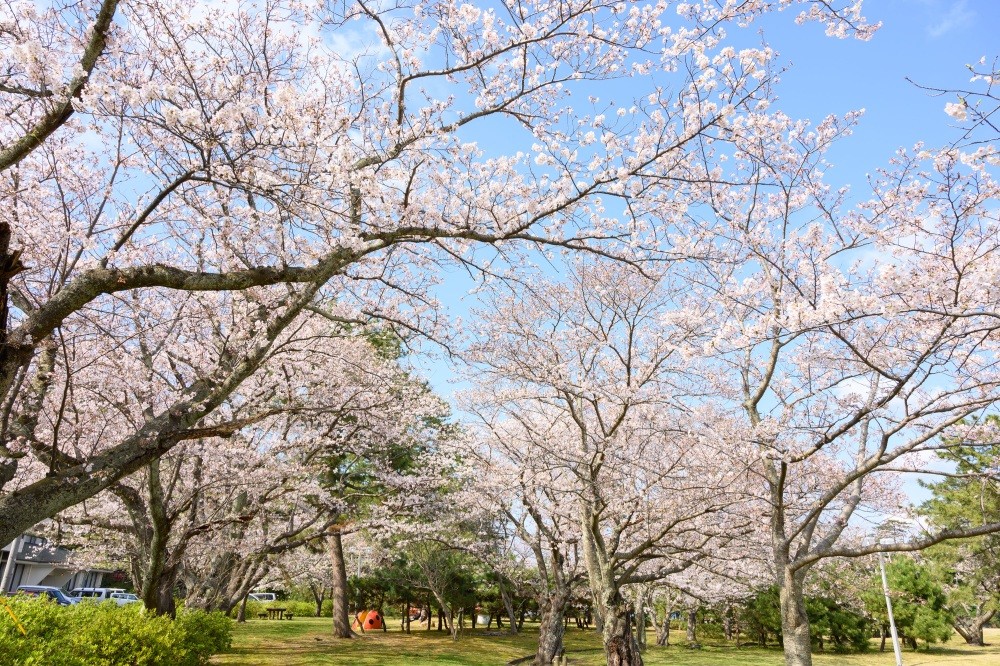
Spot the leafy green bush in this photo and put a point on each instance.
(300, 608)
(41, 620)
(107, 634)
(919, 603)
(327, 608)
(205, 634)
(253, 609)
(831, 621)
(760, 616)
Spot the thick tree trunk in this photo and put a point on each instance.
(692, 626)
(663, 630)
(319, 596)
(794, 621)
(508, 604)
(228, 580)
(640, 620)
(242, 615)
(338, 589)
(971, 629)
(158, 594)
(551, 630)
(881, 648)
(620, 645)
(159, 570)
(446, 614)
(11, 358)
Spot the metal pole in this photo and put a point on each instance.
(888, 606)
(9, 568)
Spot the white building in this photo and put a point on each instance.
(37, 562)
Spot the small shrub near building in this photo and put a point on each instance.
(108, 634)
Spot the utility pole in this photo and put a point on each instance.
(9, 568)
(888, 606)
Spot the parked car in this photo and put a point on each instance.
(122, 598)
(262, 596)
(96, 593)
(53, 593)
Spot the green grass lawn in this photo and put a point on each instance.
(305, 641)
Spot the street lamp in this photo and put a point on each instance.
(888, 603)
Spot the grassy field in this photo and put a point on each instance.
(306, 641)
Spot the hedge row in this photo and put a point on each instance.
(107, 634)
(297, 608)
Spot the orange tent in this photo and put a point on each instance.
(368, 620)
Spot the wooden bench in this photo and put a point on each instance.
(276, 613)
(262, 616)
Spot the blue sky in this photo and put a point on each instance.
(929, 41)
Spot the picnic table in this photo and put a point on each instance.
(276, 613)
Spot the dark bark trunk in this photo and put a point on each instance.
(551, 629)
(881, 648)
(158, 595)
(640, 621)
(319, 596)
(228, 580)
(338, 589)
(11, 358)
(692, 626)
(971, 629)
(620, 646)
(794, 621)
(159, 571)
(242, 615)
(663, 630)
(508, 604)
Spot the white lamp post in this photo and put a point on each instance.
(9, 568)
(888, 605)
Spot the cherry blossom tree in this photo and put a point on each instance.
(379, 471)
(848, 341)
(534, 500)
(975, 108)
(167, 161)
(310, 568)
(261, 490)
(589, 370)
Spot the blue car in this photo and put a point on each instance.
(53, 593)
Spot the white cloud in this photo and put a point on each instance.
(948, 16)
